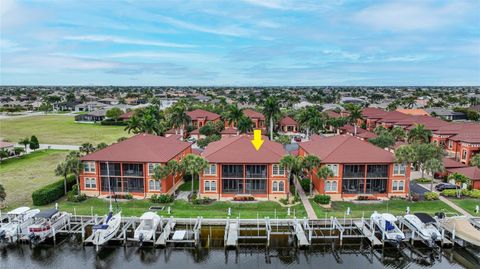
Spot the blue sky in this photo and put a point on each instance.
(240, 42)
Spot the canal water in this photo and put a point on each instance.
(69, 253)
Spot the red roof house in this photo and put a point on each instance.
(130, 166)
(201, 117)
(359, 168)
(236, 168)
(288, 125)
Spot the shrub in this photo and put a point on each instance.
(449, 193)
(430, 196)
(203, 201)
(322, 199)
(128, 196)
(72, 197)
(243, 198)
(296, 198)
(423, 180)
(305, 183)
(109, 122)
(474, 194)
(283, 201)
(161, 199)
(51, 192)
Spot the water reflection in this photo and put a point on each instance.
(356, 255)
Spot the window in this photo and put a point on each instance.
(399, 169)
(151, 167)
(450, 144)
(90, 183)
(210, 185)
(211, 170)
(464, 154)
(89, 167)
(281, 186)
(331, 185)
(154, 185)
(334, 168)
(275, 186)
(278, 170)
(398, 185)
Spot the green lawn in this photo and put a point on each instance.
(58, 129)
(396, 207)
(183, 209)
(187, 186)
(467, 204)
(21, 176)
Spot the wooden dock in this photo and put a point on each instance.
(232, 231)
(302, 240)
(364, 229)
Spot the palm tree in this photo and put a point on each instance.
(179, 118)
(244, 125)
(63, 169)
(398, 133)
(310, 163)
(434, 166)
(324, 173)
(87, 148)
(233, 114)
(175, 168)
(160, 172)
(459, 180)
(271, 110)
(133, 124)
(25, 142)
(189, 165)
(101, 145)
(200, 166)
(475, 160)
(419, 134)
(307, 118)
(355, 114)
(292, 165)
(75, 166)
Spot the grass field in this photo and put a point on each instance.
(21, 176)
(395, 207)
(467, 204)
(58, 129)
(183, 209)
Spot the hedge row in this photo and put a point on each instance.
(51, 192)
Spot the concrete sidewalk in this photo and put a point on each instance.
(306, 203)
(448, 202)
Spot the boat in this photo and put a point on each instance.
(149, 222)
(460, 227)
(425, 228)
(106, 230)
(46, 223)
(17, 226)
(386, 224)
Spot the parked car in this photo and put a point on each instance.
(297, 139)
(446, 186)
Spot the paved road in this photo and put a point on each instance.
(303, 197)
(52, 146)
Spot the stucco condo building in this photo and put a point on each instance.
(237, 169)
(130, 166)
(359, 168)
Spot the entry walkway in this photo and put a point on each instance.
(448, 202)
(303, 197)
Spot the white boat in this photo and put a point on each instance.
(424, 225)
(386, 224)
(106, 230)
(148, 226)
(17, 226)
(46, 224)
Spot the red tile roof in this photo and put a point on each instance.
(373, 112)
(287, 121)
(200, 113)
(140, 148)
(332, 114)
(414, 111)
(451, 163)
(4, 144)
(126, 116)
(239, 149)
(233, 130)
(472, 172)
(346, 149)
(253, 114)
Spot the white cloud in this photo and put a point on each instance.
(410, 15)
(122, 40)
(229, 30)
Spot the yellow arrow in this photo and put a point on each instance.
(257, 141)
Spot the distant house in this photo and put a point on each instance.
(237, 169)
(352, 100)
(95, 116)
(7, 146)
(109, 101)
(65, 106)
(446, 114)
(90, 106)
(203, 98)
(414, 112)
(288, 125)
(126, 116)
(201, 117)
(472, 172)
(131, 166)
(359, 168)
(257, 118)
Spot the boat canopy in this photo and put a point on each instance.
(425, 218)
(18, 211)
(148, 216)
(46, 214)
(389, 217)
